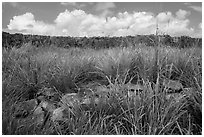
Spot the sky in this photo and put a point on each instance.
(89, 19)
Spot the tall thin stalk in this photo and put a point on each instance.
(156, 76)
(157, 66)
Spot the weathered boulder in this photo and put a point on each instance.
(89, 100)
(99, 95)
(70, 100)
(25, 108)
(60, 114)
(28, 113)
(48, 106)
(45, 107)
(57, 114)
(38, 115)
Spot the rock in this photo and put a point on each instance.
(59, 114)
(89, 100)
(33, 111)
(70, 99)
(101, 94)
(47, 106)
(41, 98)
(38, 115)
(25, 108)
(38, 110)
(44, 108)
(27, 113)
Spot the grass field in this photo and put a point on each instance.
(27, 69)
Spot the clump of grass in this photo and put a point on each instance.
(122, 115)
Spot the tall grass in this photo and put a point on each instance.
(27, 69)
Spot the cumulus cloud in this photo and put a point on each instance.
(181, 14)
(175, 25)
(164, 17)
(27, 23)
(21, 22)
(198, 32)
(79, 23)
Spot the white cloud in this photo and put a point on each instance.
(196, 8)
(79, 23)
(27, 24)
(200, 25)
(164, 17)
(175, 25)
(181, 14)
(21, 22)
(198, 31)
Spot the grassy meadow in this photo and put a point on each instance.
(28, 68)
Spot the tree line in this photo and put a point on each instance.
(17, 40)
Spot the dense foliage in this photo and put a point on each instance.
(16, 40)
